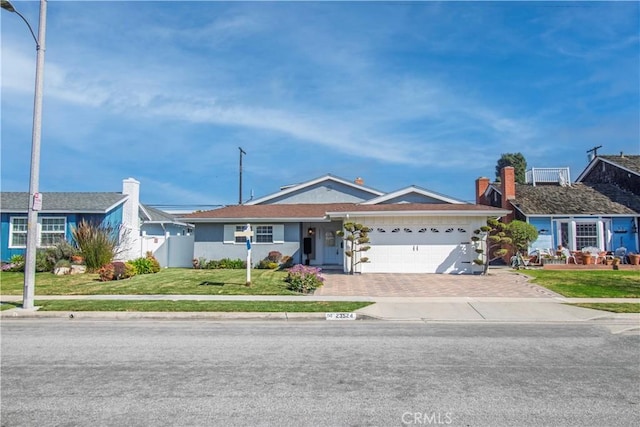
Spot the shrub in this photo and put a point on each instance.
(61, 250)
(215, 264)
(303, 279)
(141, 265)
(199, 263)
(99, 243)
(16, 264)
(155, 265)
(147, 265)
(116, 270)
(106, 272)
(265, 264)
(232, 263)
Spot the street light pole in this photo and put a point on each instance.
(35, 200)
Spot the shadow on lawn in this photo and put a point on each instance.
(219, 284)
(14, 304)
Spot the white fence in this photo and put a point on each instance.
(170, 251)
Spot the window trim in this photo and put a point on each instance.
(13, 232)
(40, 232)
(603, 226)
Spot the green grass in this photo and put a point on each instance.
(614, 307)
(589, 284)
(179, 281)
(8, 305)
(198, 306)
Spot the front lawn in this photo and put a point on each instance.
(200, 306)
(614, 307)
(589, 283)
(179, 281)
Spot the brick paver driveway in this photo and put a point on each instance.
(498, 283)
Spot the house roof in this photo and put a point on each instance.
(577, 199)
(627, 162)
(63, 202)
(320, 212)
(297, 187)
(413, 189)
(153, 215)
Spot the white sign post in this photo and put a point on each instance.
(248, 234)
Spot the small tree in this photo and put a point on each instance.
(357, 236)
(521, 233)
(490, 240)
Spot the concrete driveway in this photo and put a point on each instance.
(498, 283)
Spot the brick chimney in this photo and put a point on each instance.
(359, 181)
(482, 184)
(508, 188)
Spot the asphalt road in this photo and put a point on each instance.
(352, 373)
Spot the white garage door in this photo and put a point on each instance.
(420, 249)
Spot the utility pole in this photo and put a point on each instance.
(240, 190)
(35, 198)
(594, 150)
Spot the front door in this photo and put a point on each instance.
(331, 245)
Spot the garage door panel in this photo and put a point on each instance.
(420, 252)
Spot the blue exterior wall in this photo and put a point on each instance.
(620, 232)
(208, 244)
(546, 240)
(113, 218)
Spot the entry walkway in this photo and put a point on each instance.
(498, 283)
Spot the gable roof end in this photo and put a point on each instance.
(293, 188)
(416, 190)
(629, 163)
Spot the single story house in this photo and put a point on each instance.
(62, 211)
(601, 209)
(414, 230)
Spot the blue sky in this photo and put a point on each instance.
(398, 93)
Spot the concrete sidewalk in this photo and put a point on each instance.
(423, 309)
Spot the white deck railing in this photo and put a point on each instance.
(548, 176)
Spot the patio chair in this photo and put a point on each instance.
(621, 253)
(601, 257)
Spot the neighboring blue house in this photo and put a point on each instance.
(61, 212)
(414, 230)
(601, 209)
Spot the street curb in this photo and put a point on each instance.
(18, 313)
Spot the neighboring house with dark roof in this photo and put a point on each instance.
(622, 170)
(62, 211)
(601, 209)
(414, 230)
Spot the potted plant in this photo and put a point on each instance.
(587, 258)
(634, 259)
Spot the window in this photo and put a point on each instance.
(564, 234)
(329, 238)
(586, 234)
(18, 232)
(264, 234)
(52, 230)
(240, 239)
